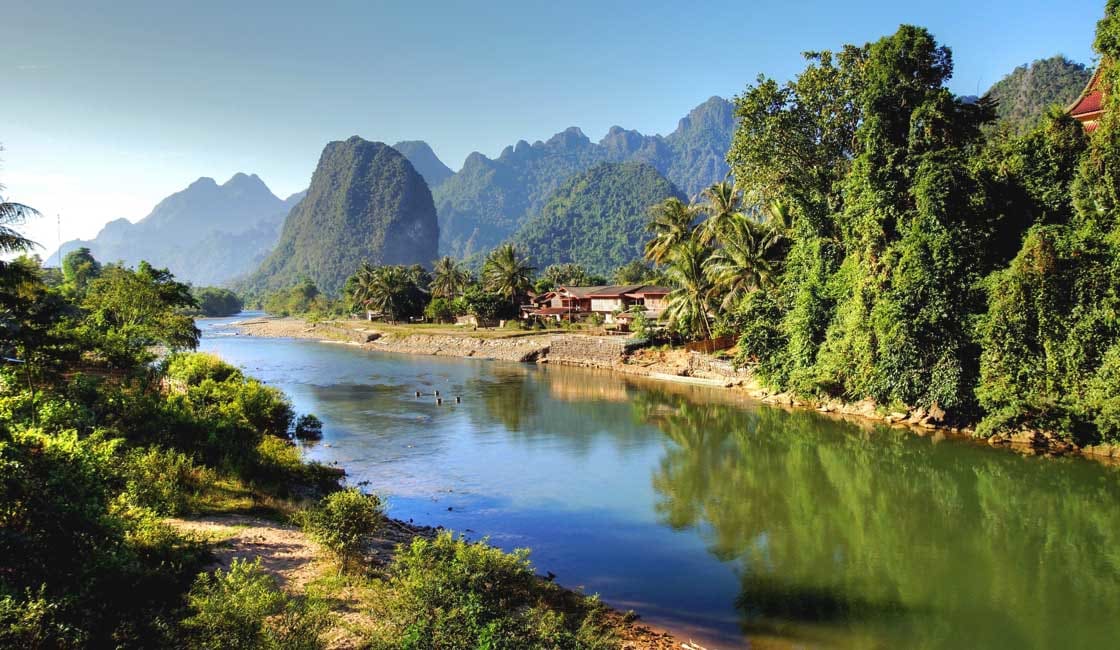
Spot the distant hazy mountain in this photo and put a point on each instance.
(1024, 94)
(487, 200)
(597, 218)
(425, 161)
(206, 234)
(366, 203)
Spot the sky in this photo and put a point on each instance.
(110, 106)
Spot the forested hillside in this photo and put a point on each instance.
(366, 203)
(425, 161)
(1025, 93)
(597, 219)
(487, 200)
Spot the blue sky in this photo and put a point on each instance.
(110, 106)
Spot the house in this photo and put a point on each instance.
(1089, 105)
(571, 303)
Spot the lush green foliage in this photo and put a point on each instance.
(507, 273)
(366, 202)
(302, 298)
(597, 218)
(242, 607)
(1023, 96)
(344, 521)
(215, 301)
(396, 293)
(488, 200)
(450, 593)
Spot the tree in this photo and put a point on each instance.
(722, 201)
(688, 308)
(78, 268)
(215, 301)
(747, 258)
(127, 312)
(671, 224)
(507, 273)
(393, 291)
(449, 279)
(11, 241)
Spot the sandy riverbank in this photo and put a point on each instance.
(663, 365)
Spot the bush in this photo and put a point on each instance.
(244, 608)
(162, 480)
(309, 427)
(450, 593)
(343, 523)
(35, 622)
(440, 310)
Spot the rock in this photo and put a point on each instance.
(373, 336)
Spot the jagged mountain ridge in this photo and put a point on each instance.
(206, 234)
(488, 199)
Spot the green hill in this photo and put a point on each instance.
(366, 202)
(488, 199)
(597, 218)
(1025, 93)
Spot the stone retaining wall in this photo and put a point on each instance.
(590, 351)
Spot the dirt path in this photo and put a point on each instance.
(287, 554)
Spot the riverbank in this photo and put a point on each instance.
(669, 365)
(302, 568)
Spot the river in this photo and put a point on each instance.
(728, 521)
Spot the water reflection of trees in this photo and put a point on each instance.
(888, 536)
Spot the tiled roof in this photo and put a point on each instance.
(1088, 104)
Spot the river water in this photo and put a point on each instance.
(735, 523)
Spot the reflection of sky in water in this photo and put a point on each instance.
(714, 519)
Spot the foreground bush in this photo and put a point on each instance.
(343, 522)
(450, 593)
(244, 608)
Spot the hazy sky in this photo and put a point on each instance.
(109, 106)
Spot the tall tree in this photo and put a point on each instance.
(748, 258)
(688, 308)
(507, 273)
(449, 278)
(671, 224)
(721, 201)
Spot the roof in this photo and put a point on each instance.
(553, 311)
(1089, 103)
(615, 290)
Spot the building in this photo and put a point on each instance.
(572, 303)
(1089, 105)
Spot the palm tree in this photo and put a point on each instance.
(722, 202)
(14, 214)
(507, 273)
(390, 290)
(746, 260)
(671, 224)
(449, 278)
(688, 307)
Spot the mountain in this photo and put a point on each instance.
(488, 199)
(1025, 94)
(597, 218)
(366, 203)
(206, 234)
(425, 161)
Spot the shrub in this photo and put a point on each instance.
(35, 622)
(440, 310)
(343, 522)
(162, 479)
(450, 593)
(244, 608)
(309, 427)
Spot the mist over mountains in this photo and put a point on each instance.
(206, 233)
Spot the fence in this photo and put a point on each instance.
(709, 346)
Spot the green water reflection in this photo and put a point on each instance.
(873, 537)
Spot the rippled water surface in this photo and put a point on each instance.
(735, 523)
